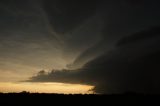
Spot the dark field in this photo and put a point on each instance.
(26, 98)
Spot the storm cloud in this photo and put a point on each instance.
(111, 44)
(126, 59)
(131, 67)
(41, 34)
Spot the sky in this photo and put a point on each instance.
(110, 45)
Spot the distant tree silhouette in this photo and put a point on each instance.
(24, 92)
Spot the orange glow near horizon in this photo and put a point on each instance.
(6, 87)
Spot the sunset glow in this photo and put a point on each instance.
(45, 88)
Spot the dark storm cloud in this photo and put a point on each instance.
(41, 34)
(66, 15)
(46, 30)
(127, 56)
(116, 42)
(75, 21)
(129, 67)
(121, 18)
(139, 36)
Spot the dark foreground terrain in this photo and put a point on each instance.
(28, 99)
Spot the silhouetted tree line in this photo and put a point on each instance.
(28, 98)
(36, 93)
